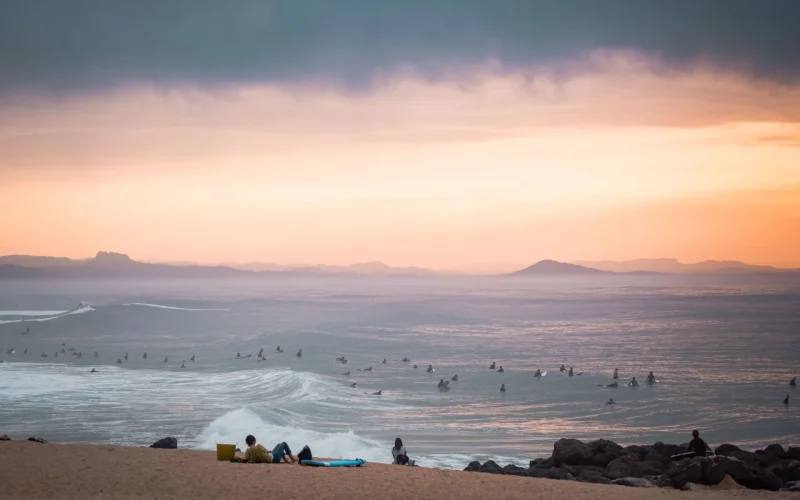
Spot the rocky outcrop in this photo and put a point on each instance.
(605, 462)
(37, 440)
(167, 443)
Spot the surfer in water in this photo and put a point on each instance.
(491, 367)
(406, 360)
(95, 354)
(430, 369)
(455, 378)
(502, 387)
(93, 371)
(192, 358)
(119, 361)
(563, 368)
(166, 359)
(377, 393)
(570, 372)
(238, 355)
(616, 374)
(538, 373)
(633, 382)
(126, 356)
(786, 400)
(346, 374)
(299, 353)
(441, 383)
(500, 370)
(183, 365)
(651, 379)
(793, 382)
(415, 367)
(353, 385)
(144, 356)
(611, 401)
(384, 361)
(261, 353)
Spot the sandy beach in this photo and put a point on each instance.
(34, 470)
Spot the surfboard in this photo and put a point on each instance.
(544, 373)
(334, 463)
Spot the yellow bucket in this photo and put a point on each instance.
(225, 452)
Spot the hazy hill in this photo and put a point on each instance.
(553, 268)
(676, 267)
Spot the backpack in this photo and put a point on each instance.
(305, 454)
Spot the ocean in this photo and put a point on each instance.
(722, 348)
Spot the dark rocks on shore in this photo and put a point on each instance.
(605, 462)
(37, 440)
(167, 443)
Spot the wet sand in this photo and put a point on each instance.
(33, 470)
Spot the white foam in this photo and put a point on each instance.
(81, 309)
(171, 308)
(31, 313)
(233, 426)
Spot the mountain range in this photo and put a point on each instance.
(117, 265)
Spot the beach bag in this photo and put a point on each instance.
(305, 454)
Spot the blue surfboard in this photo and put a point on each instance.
(335, 463)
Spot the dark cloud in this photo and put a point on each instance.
(60, 45)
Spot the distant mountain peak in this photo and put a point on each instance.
(112, 257)
(554, 267)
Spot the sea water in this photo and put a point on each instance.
(723, 350)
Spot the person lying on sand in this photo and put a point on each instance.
(257, 454)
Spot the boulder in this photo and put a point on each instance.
(571, 452)
(37, 440)
(4, 437)
(560, 474)
(473, 466)
(737, 469)
(603, 459)
(491, 467)
(766, 480)
(635, 482)
(544, 463)
(791, 472)
(629, 466)
(592, 476)
(794, 452)
(603, 446)
(513, 470)
(688, 470)
(167, 443)
(667, 450)
(777, 450)
(726, 449)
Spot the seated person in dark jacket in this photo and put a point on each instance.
(697, 445)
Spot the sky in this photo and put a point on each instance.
(445, 134)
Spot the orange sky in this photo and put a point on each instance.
(621, 161)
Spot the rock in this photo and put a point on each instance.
(635, 482)
(536, 472)
(603, 446)
(726, 449)
(629, 466)
(766, 480)
(661, 481)
(4, 437)
(571, 452)
(661, 464)
(167, 443)
(545, 463)
(603, 459)
(713, 472)
(561, 474)
(513, 470)
(777, 450)
(473, 466)
(792, 471)
(738, 471)
(491, 467)
(667, 450)
(37, 440)
(592, 476)
(688, 470)
(794, 452)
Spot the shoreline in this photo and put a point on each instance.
(36, 470)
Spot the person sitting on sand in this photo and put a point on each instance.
(399, 454)
(697, 445)
(257, 454)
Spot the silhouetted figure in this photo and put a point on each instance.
(95, 354)
(491, 367)
(126, 356)
(377, 393)
(346, 374)
(238, 355)
(384, 361)
(455, 378)
(697, 445)
(56, 354)
(616, 374)
(183, 365)
(406, 360)
(415, 367)
(299, 353)
(651, 379)
(793, 382)
(430, 369)
(166, 359)
(563, 368)
(119, 361)
(538, 373)
(144, 356)
(353, 385)
(500, 370)
(611, 401)
(786, 400)
(570, 372)
(633, 382)
(192, 358)
(93, 371)
(441, 383)
(503, 388)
